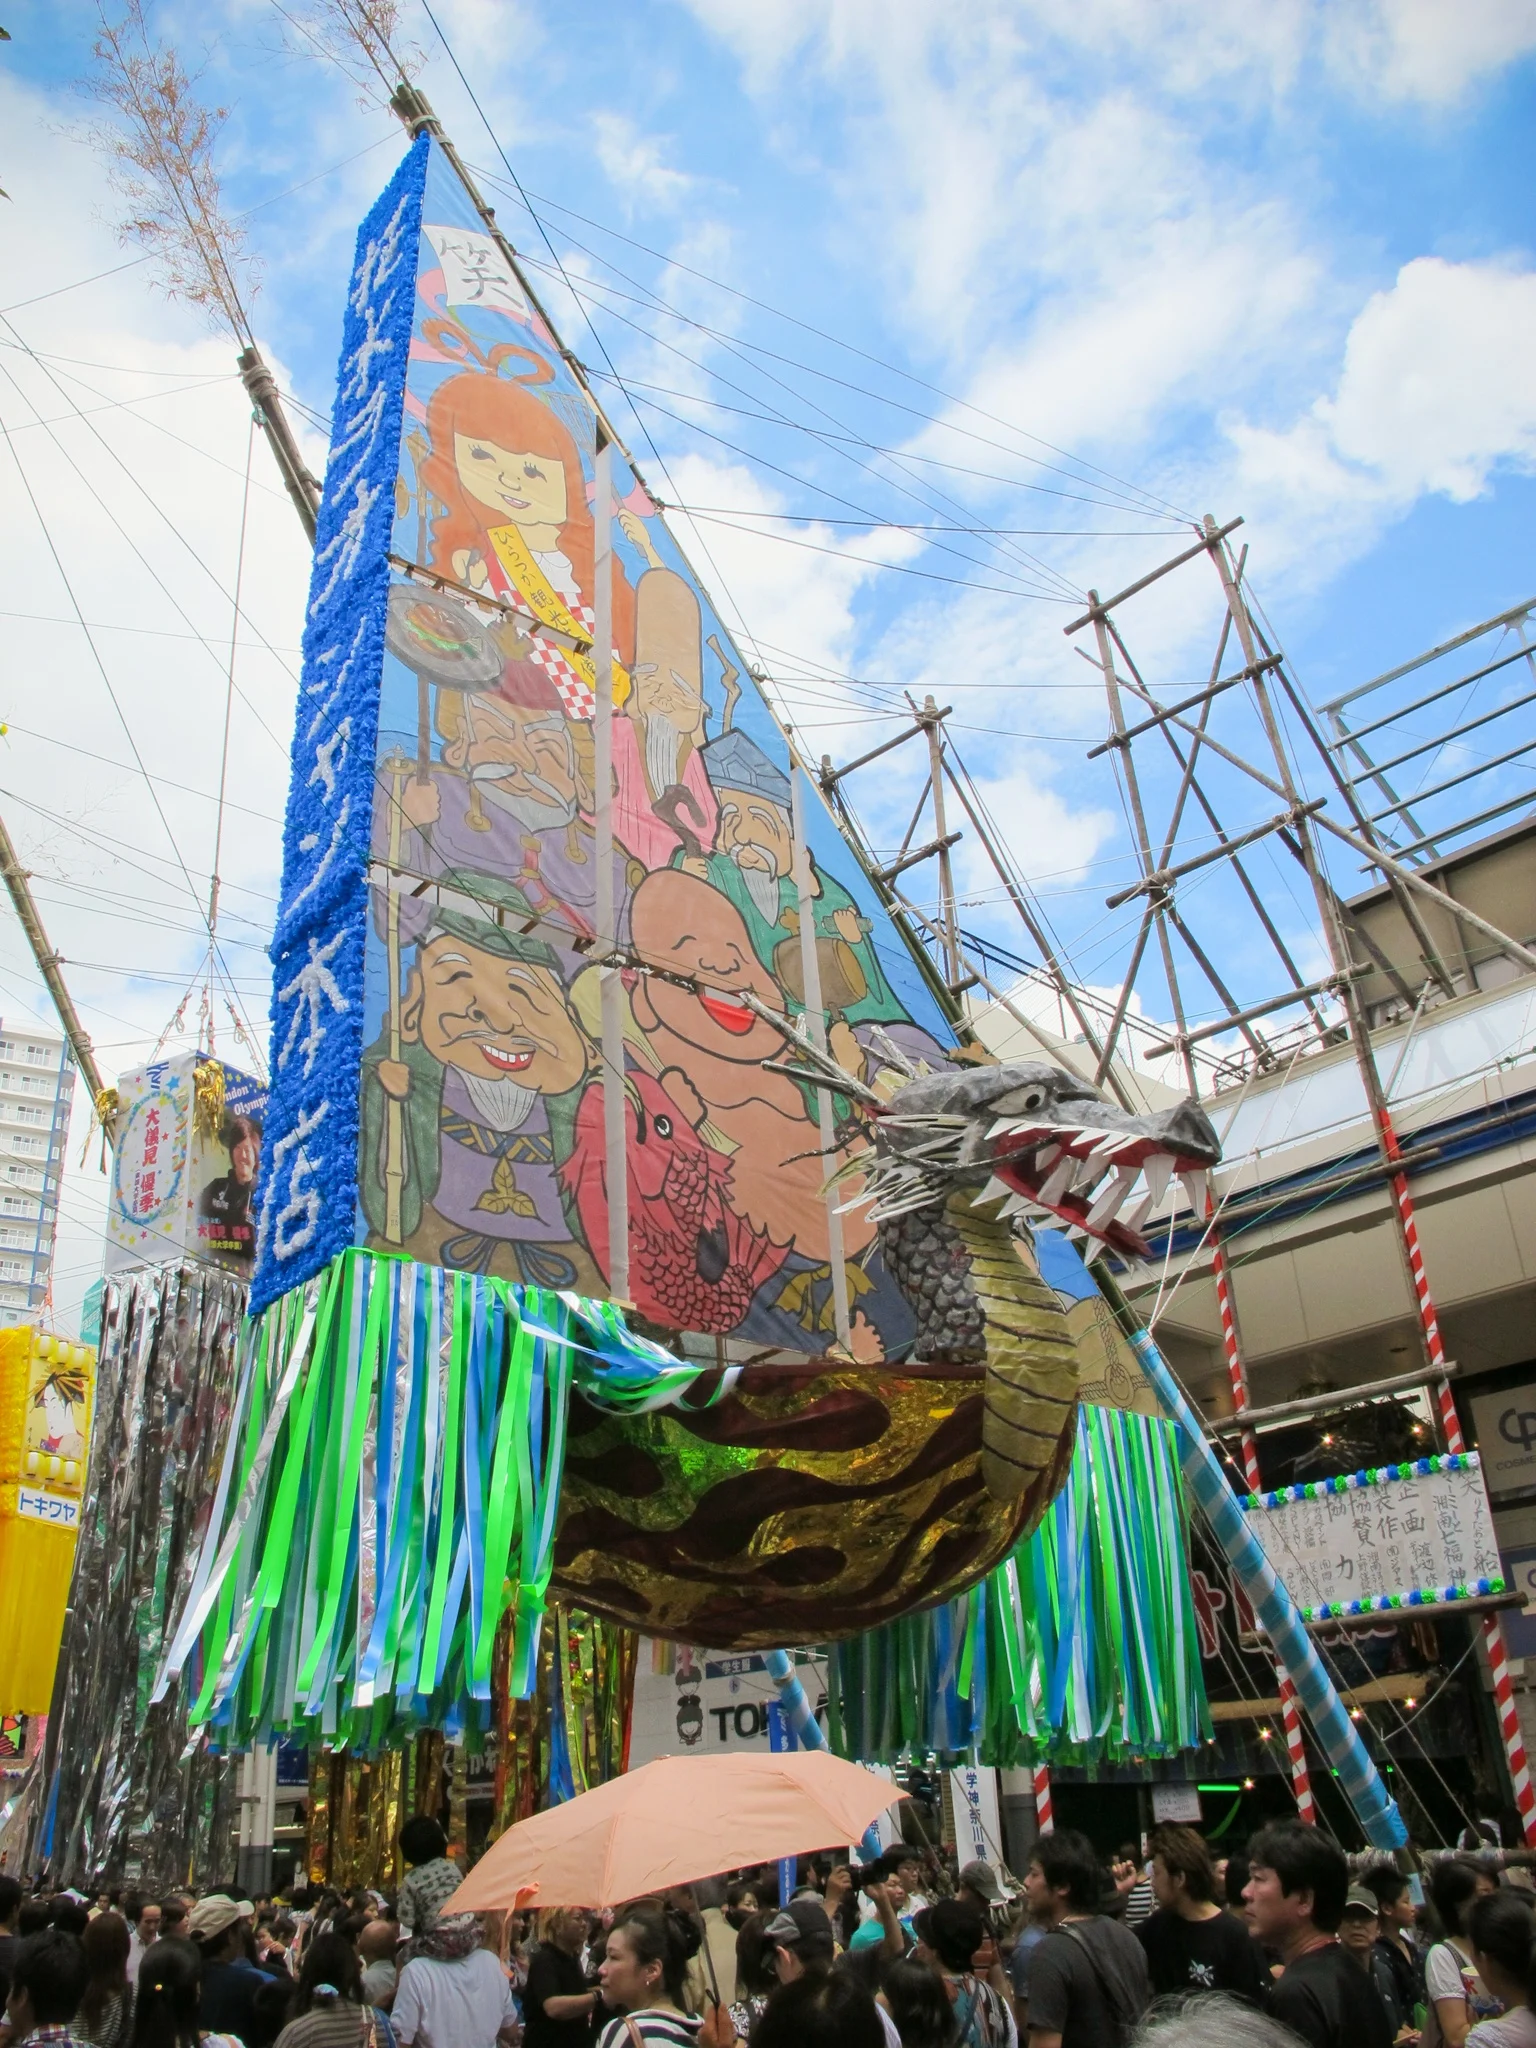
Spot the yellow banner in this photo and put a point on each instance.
(544, 601)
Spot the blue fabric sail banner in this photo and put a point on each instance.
(310, 1170)
(436, 1013)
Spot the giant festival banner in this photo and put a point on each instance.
(437, 1035)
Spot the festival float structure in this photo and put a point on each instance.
(638, 1235)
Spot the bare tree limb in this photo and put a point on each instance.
(160, 150)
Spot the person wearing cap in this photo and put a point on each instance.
(978, 1882)
(800, 1938)
(485, 1059)
(949, 1932)
(231, 1980)
(1191, 1944)
(1358, 1937)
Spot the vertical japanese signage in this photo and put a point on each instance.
(309, 1197)
(436, 1012)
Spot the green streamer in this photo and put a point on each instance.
(1112, 1547)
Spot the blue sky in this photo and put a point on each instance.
(1276, 263)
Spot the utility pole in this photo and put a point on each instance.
(48, 964)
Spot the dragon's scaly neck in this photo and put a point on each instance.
(978, 1296)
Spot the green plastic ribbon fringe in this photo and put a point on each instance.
(1081, 1648)
(390, 1491)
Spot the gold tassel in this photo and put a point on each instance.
(208, 1098)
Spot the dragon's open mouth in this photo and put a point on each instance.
(1084, 1177)
(1042, 1142)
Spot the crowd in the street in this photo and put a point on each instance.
(1182, 1950)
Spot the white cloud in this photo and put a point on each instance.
(634, 166)
(1436, 391)
(1423, 49)
(145, 415)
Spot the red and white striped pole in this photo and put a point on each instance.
(1237, 1373)
(1450, 1424)
(1045, 1821)
(1295, 1743)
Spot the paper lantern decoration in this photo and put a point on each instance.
(47, 1386)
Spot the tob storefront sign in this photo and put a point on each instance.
(1506, 1437)
(697, 1702)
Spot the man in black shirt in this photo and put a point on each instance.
(1395, 1945)
(559, 2004)
(1297, 1884)
(1191, 1944)
(1088, 1983)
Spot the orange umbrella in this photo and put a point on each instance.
(672, 1821)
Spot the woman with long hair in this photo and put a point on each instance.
(643, 1974)
(914, 1996)
(328, 2008)
(1500, 1930)
(504, 463)
(105, 2018)
(166, 1999)
(1457, 1996)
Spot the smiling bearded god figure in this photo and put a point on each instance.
(490, 1063)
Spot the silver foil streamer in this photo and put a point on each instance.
(130, 1800)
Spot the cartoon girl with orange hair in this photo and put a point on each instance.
(501, 459)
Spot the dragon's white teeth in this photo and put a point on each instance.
(1158, 1168)
(1140, 1213)
(1196, 1186)
(1046, 1157)
(1110, 1203)
(1113, 1142)
(1090, 1172)
(1018, 1205)
(994, 1191)
(1059, 1180)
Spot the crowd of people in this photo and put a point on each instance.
(1279, 1945)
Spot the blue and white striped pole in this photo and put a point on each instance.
(1276, 1610)
(801, 1716)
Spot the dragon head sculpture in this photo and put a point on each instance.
(1043, 1142)
(947, 1150)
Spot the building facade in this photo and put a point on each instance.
(37, 1086)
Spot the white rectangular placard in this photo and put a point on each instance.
(1396, 1536)
(978, 1829)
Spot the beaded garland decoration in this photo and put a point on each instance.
(1380, 1475)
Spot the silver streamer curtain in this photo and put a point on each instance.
(125, 1797)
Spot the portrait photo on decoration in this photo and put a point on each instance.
(481, 1120)
(227, 1167)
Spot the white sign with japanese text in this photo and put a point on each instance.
(37, 1504)
(475, 273)
(978, 1825)
(1374, 1542)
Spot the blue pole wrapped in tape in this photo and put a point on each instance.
(1276, 1610)
(798, 1711)
(801, 1716)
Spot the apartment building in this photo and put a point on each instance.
(37, 1083)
